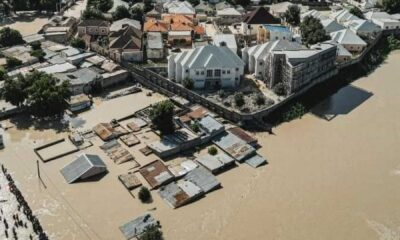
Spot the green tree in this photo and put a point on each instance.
(161, 115)
(102, 5)
(280, 89)
(259, 99)
(393, 42)
(120, 13)
(243, 3)
(152, 233)
(144, 195)
(137, 13)
(212, 150)
(3, 73)
(10, 37)
(357, 12)
(147, 5)
(36, 45)
(188, 83)
(391, 6)
(195, 127)
(14, 90)
(46, 96)
(292, 15)
(239, 99)
(38, 54)
(312, 31)
(78, 43)
(194, 2)
(13, 62)
(91, 13)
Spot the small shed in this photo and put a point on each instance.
(234, 146)
(256, 161)
(242, 134)
(85, 166)
(137, 226)
(180, 193)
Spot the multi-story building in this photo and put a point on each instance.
(207, 66)
(289, 63)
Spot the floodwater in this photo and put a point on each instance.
(334, 174)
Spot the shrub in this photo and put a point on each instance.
(78, 43)
(13, 62)
(144, 195)
(221, 93)
(161, 115)
(296, 111)
(259, 99)
(212, 150)
(195, 127)
(239, 100)
(38, 53)
(36, 45)
(152, 233)
(188, 83)
(280, 89)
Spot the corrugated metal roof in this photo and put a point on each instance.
(203, 179)
(256, 161)
(80, 166)
(234, 146)
(137, 226)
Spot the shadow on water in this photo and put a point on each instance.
(341, 103)
(26, 121)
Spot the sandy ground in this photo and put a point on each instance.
(336, 179)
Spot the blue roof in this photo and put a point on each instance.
(276, 28)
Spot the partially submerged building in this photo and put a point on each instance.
(137, 227)
(234, 146)
(216, 163)
(83, 167)
(202, 178)
(170, 144)
(156, 174)
(177, 194)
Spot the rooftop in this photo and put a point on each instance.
(156, 174)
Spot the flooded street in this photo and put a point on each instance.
(334, 174)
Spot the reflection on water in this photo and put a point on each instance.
(342, 102)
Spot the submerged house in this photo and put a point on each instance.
(85, 166)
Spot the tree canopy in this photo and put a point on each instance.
(102, 5)
(391, 6)
(10, 37)
(120, 13)
(161, 115)
(292, 15)
(152, 233)
(40, 91)
(91, 13)
(24, 5)
(312, 31)
(78, 43)
(137, 13)
(357, 12)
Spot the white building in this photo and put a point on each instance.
(384, 20)
(290, 64)
(331, 25)
(349, 40)
(178, 7)
(313, 13)
(208, 66)
(363, 27)
(228, 39)
(343, 15)
(363, 4)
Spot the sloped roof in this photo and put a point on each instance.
(228, 12)
(229, 39)
(119, 24)
(331, 25)
(343, 16)
(93, 22)
(223, 5)
(347, 36)
(84, 163)
(363, 26)
(127, 40)
(210, 56)
(203, 178)
(137, 226)
(260, 16)
(153, 25)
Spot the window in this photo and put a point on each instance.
(197, 72)
(209, 73)
(261, 63)
(236, 79)
(223, 71)
(237, 69)
(228, 71)
(217, 72)
(187, 70)
(202, 72)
